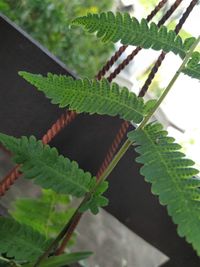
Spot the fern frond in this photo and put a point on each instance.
(20, 241)
(91, 96)
(193, 66)
(172, 178)
(121, 27)
(43, 212)
(48, 169)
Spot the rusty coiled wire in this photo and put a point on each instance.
(67, 118)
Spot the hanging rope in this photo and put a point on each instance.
(117, 139)
(116, 56)
(125, 125)
(14, 174)
(123, 129)
(131, 56)
(63, 121)
(163, 54)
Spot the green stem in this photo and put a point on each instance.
(171, 83)
(119, 155)
(55, 242)
(128, 143)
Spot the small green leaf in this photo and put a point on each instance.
(96, 200)
(193, 66)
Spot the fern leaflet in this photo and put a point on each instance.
(193, 67)
(43, 212)
(172, 178)
(20, 241)
(48, 169)
(96, 200)
(91, 96)
(128, 30)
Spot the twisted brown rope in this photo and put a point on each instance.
(14, 174)
(163, 54)
(115, 57)
(112, 151)
(125, 125)
(63, 121)
(131, 56)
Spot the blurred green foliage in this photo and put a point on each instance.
(48, 22)
(43, 212)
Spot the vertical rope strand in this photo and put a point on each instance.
(69, 234)
(131, 56)
(163, 54)
(125, 125)
(9, 180)
(113, 148)
(64, 120)
(116, 56)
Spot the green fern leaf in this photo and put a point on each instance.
(91, 96)
(172, 178)
(97, 200)
(193, 66)
(20, 241)
(121, 27)
(49, 170)
(43, 212)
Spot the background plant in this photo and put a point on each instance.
(48, 21)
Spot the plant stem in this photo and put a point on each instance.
(118, 156)
(171, 83)
(128, 143)
(56, 241)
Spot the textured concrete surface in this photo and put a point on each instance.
(114, 244)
